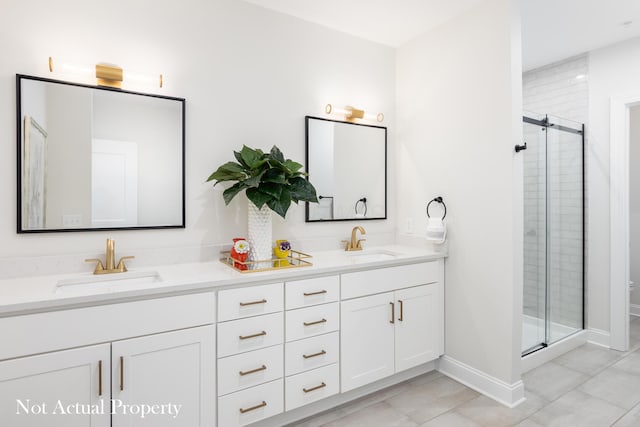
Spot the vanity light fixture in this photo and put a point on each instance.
(351, 113)
(107, 74)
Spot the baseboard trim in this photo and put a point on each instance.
(634, 310)
(599, 337)
(510, 395)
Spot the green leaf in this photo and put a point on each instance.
(254, 181)
(292, 166)
(252, 158)
(281, 205)
(257, 197)
(232, 191)
(274, 175)
(272, 189)
(276, 154)
(229, 171)
(238, 157)
(302, 190)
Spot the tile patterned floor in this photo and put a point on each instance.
(587, 387)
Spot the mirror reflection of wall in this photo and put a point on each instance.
(114, 159)
(346, 163)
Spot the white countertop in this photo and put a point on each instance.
(35, 294)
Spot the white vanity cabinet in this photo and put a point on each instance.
(31, 387)
(250, 354)
(392, 331)
(312, 325)
(106, 384)
(173, 368)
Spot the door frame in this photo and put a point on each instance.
(619, 141)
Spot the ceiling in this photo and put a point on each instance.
(551, 29)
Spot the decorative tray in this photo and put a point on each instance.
(296, 259)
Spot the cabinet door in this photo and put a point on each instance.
(174, 371)
(58, 389)
(367, 342)
(419, 325)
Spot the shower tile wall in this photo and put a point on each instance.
(559, 89)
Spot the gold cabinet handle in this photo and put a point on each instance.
(317, 322)
(308, 294)
(121, 373)
(246, 337)
(309, 390)
(253, 371)
(253, 408)
(309, 356)
(401, 318)
(99, 377)
(393, 313)
(244, 304)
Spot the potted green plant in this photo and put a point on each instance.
(271, 183)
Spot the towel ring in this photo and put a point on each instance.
(439, 200)
(364, 202)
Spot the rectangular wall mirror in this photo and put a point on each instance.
(347, 164)
(96, 158)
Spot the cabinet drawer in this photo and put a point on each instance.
(250, 301)
(251, 405)
(380, 280)
(243, 335)
(249, 369)
(311, 386)
(312, 321)
(311, 353)
(303, 293)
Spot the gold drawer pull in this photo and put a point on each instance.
(309, 390)
(244, 304)
(99, 377)
(259, 334)
(401, 318)
(121, 373)
(317, 322)
(253, 371)
(309, 356)
(309, 294)
(253, 408)
(393, 313)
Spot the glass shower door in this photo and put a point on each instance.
(565, 228)
(535, 235)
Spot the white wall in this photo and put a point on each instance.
(459, 110)
(634, 203)
(249, 76)
(613, 72)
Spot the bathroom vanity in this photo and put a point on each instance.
(203, 345)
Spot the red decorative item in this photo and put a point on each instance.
(240, 252)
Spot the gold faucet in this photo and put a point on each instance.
(110, 261)
(354, 245)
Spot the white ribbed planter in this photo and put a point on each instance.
(259, 234)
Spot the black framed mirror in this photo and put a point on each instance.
(347, 164)
(98, 158)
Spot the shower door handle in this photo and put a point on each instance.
(519, 148)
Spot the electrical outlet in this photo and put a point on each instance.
(72, 220)
(409, 225)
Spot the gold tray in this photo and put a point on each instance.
(296, 259)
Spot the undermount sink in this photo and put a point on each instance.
(107, 283)
(373, 255)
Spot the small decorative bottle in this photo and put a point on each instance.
(240, 252)
(282, 251)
